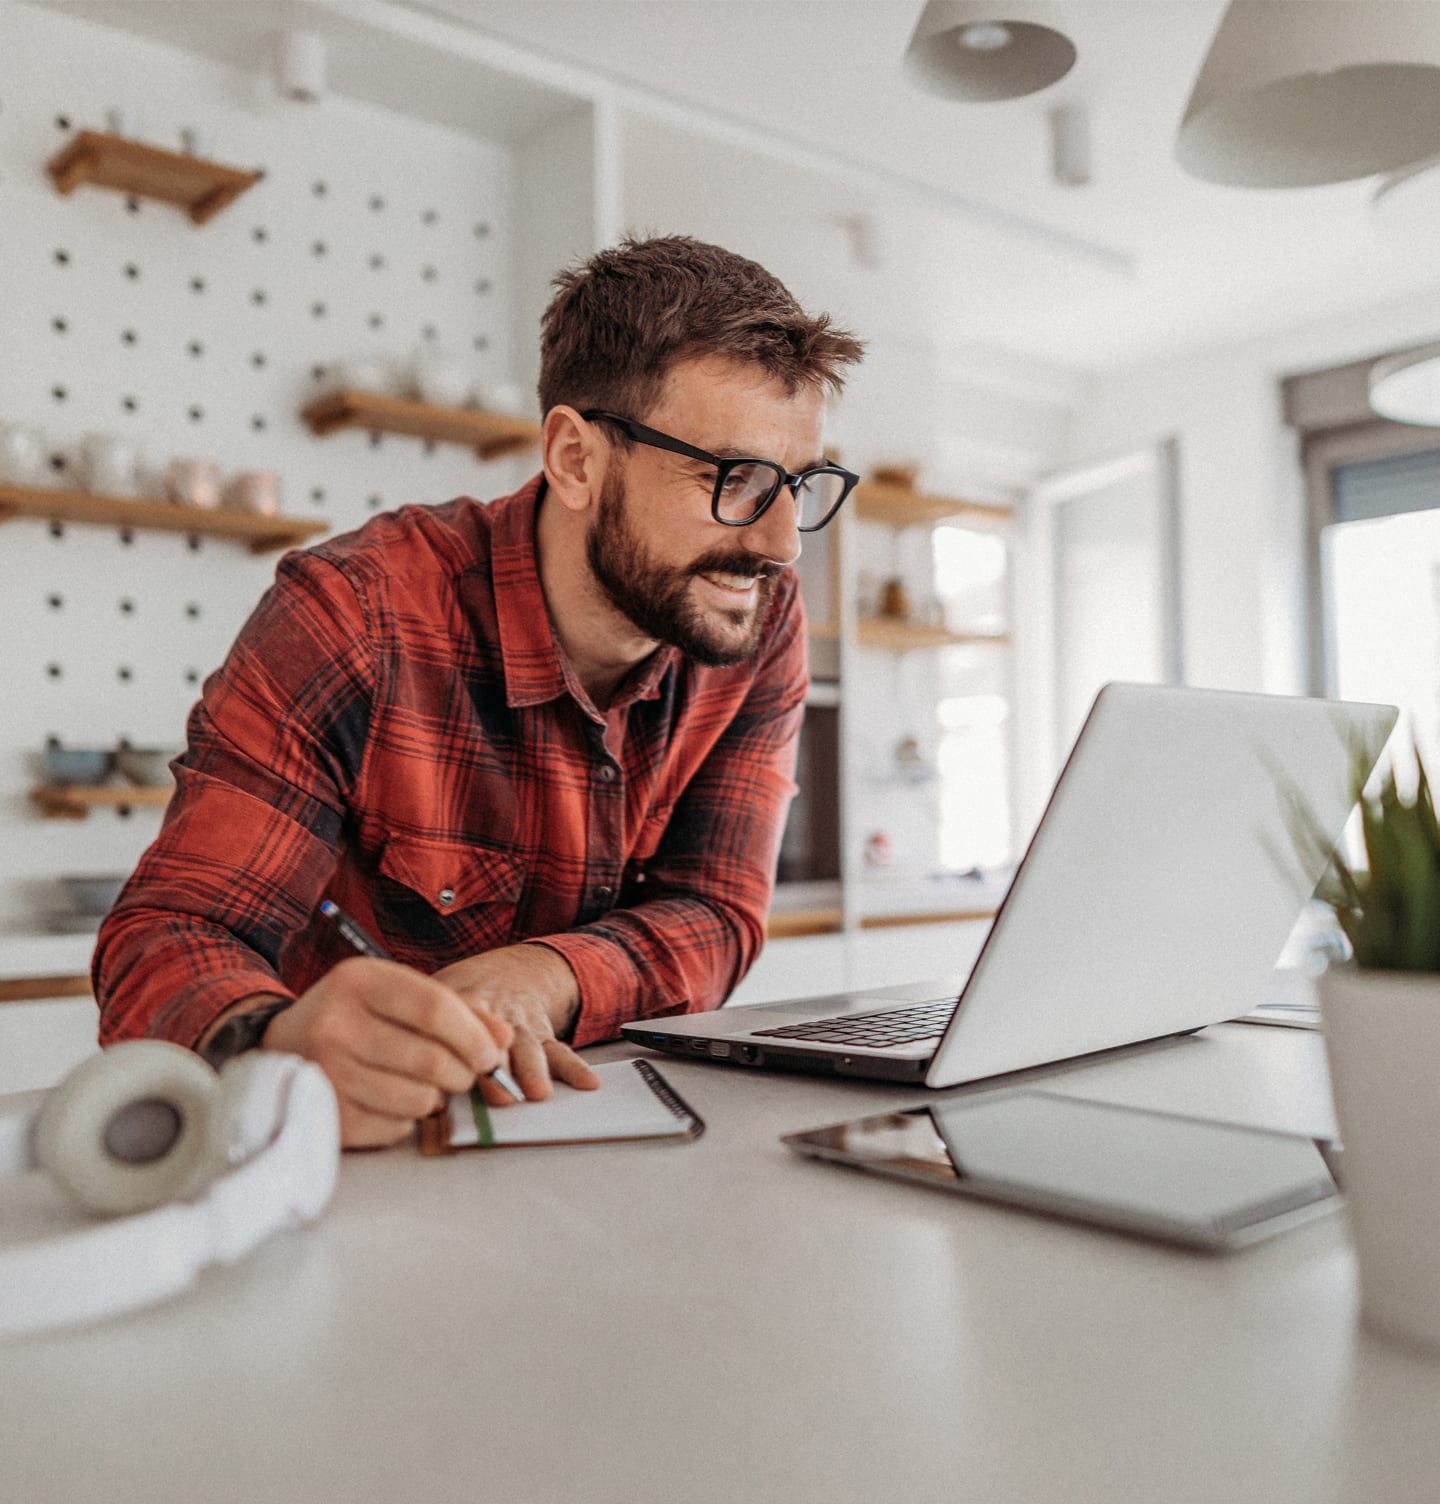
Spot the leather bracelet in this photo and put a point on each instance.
(239, 1033)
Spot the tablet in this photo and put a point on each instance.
(1203, 1184)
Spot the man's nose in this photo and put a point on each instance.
(774, 535)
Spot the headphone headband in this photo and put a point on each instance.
(268, 1128)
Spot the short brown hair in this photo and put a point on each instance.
(619, 321)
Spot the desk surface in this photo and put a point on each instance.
(725, 1321)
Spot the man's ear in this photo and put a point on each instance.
(574, 458)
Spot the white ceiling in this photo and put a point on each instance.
(1210, 264)
(1161, 262)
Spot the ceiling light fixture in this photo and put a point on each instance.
(985, 36)
(1406, 387)
(983, 50)
(1293, 94)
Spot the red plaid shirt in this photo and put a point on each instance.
(396, 728)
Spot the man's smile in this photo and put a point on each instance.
(732, 584)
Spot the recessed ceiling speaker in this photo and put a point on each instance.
(979, 51)
(1294, 94)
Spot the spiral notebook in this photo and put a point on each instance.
(634, 1102)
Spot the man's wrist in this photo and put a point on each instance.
(240, 1028)
(562, 1004)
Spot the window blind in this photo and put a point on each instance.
(1382, 487)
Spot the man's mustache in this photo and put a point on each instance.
(728, 564)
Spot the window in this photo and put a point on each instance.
(973, 702)
(1378, 548)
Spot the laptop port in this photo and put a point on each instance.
(749, 1054)
(700, 1046)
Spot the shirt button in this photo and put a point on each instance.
(607, 773)
(604, 892)
(446, 897)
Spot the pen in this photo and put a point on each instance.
(360, 942)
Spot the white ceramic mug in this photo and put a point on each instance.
(193, 483)
(22, 454)
(442, 378)
(109, 464)
(255, 491)
(122, 120)
(504, 397)
(366, 373)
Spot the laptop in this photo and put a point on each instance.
(1156, 894)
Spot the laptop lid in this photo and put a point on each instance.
(1162, 881)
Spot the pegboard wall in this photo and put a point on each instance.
(370, 235)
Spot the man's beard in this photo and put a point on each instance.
(654, 597)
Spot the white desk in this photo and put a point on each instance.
(726, 1321)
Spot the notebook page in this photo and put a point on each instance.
(625, 1106)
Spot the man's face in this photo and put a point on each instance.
(654, 547)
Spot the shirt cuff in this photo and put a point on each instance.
(609, 986)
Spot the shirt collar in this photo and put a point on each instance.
(536, 667)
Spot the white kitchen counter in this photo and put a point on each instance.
(30, 953)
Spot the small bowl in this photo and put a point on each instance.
(78, 765)
(93, 894)
(147, 766)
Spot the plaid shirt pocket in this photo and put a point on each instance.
(438, 901)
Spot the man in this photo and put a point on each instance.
(541, 748)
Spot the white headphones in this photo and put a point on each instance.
(224, 1159)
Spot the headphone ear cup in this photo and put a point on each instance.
(129, 1129)
(248, 1106)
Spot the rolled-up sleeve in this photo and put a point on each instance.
(253, 831)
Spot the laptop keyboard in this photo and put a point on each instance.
(874, 1030)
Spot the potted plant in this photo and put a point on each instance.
(1381, 1018)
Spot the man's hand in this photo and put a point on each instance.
(393, 1042)
(533, 990)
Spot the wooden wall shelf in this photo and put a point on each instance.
(68, 801)
(49, 504)
(29, 989)
(903, 636)
(901, 506)
(945, 916)
(199, 187)
(786, 924)
(489, 434)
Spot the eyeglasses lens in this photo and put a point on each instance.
(748, 487)
(745, 489)
(815, 498)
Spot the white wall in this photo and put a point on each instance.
(1242, 502)
(371, 233)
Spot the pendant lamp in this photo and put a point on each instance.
(978, 51)
(1295, 93)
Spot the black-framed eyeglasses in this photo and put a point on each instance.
(744, 488)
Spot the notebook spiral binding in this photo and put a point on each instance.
(670, 1097)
